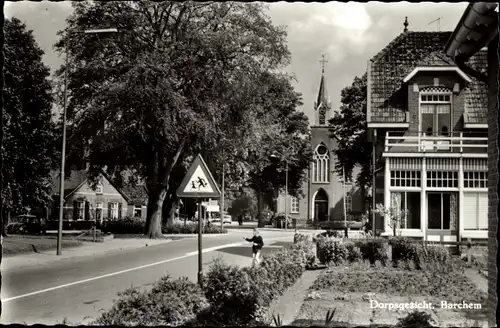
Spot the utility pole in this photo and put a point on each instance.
(63, 150)
(345, 201)
(286, 194)
(222, 199)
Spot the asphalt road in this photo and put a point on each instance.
(77, 289)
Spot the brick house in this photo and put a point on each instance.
(478, 28)
(327, 198)
(429, 127)
(106, 201)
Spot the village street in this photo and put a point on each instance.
(78, 288)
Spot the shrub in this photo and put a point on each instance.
(416, 319)
(305, 248)
(373, 250)
(422, 257)
(232, 294)
(126, 225)
(240, 296)
(353, 253)
(331, 251)
(168, 303)
(190, 228)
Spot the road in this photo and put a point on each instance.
(77, 289)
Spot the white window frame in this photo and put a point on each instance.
(404, 196)
(321, 165)
(114, 210)
(81, 209)
(406, 178)
(99, 189)
(294, 205)
(432, 145)
(451, 177)
(138, 208)
(470, 179)
(99, 206)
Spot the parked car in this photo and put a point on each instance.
(226, 219)
(26, 224)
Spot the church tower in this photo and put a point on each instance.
(322, 106)
(324, 190)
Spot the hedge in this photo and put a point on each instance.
(170, 302)
(231, 295)
(136, 226)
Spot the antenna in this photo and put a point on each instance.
(438, 22)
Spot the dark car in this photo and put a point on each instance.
(26, 224)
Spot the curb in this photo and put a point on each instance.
(86, 254)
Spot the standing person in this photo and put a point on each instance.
(258, 243)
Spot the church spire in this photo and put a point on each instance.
(322, 94)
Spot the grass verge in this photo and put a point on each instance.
(14, 245)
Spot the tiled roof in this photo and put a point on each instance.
(138, 194)
(393, 63)
(71, 182)
(476, 99)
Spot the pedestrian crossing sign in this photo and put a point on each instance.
(198, 182)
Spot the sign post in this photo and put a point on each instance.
(199, 183)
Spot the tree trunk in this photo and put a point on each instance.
(260, 204)
(363, 198)
(169, 209)
(154, 213)
(5, 221)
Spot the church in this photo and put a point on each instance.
(326, 197)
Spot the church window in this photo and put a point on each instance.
(295, 205)
(321, 164)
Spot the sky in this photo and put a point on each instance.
(347, 33)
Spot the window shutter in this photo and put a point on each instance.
(483, 211)
(470, 211)
(119, 210)
(75, 210)
(87, 211)
(109, 211)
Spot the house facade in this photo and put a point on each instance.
(464, 43)
(83, 202)
(326, 198)
(428, 121)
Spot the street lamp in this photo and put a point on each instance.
(286, 187)
(63, 151)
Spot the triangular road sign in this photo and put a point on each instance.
(198, 182)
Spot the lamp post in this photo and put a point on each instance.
(63, 150)
(286, 187)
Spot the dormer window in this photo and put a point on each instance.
(435, 111)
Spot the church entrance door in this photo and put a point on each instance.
(321, 206)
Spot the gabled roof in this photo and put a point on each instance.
(398, 59)
(138, 194)
(75, 180)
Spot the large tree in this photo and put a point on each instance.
(349, 130)
(28, 131)
(288, 140)
(151, 96)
